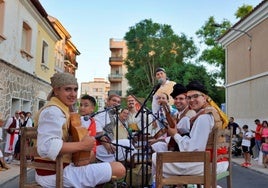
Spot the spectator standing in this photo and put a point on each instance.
(257, 137)
(264, 149)
(24, 122)
(247, 135)
(264, 130)
(234, 125)
(29, 117)
(11, 138)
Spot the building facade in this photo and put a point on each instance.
(24, 25)
(98, 89)
(119, 84)
(65, 51)
(28, 46)
(246, 45)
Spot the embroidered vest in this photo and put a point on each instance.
(218, 124)
(65, 128)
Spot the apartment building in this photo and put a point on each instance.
(98, 89)
(65, 51)
(119, 84)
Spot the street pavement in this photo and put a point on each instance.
(13, 173)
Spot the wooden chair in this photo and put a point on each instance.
(172, 157)
(28, 152)
(223, 139)
(218, 139)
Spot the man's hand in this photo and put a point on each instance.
(109, 147)
(172, 131)
(88, 142)
(105, 141)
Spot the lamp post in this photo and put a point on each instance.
(241, 31)
(238, 30)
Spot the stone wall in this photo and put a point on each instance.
(16, 84)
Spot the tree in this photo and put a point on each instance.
(243, 11)
(213, 53)
(184, 73)
(152, 45)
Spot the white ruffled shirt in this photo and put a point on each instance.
(49, 138)
(198, 135)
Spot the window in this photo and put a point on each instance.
(26, 37)
(44, 53)
(2, 14)
(41, 103)
(97, 89)
(116, 72)
(44, 60)
(26, 41)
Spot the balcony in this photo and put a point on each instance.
(116, 61)
(117, 92)
(115, 77)
(70, 64)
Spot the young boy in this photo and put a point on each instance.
(86, 109)
(247, 135)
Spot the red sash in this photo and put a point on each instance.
(92, 129)
(11, 141)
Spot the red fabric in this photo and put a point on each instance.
(222, 150)
(258, 135)
(11, 141)
(12, 135)
(92, 131)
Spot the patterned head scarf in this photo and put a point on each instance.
(61, 79)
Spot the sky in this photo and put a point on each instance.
(91, 23)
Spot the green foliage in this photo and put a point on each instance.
(243, 11)
(152, 45)
(213, 53)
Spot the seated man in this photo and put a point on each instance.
(106, 124)
(52, 124)
(183, 116)
(202, 124)
(160, 121)
(122, 128)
